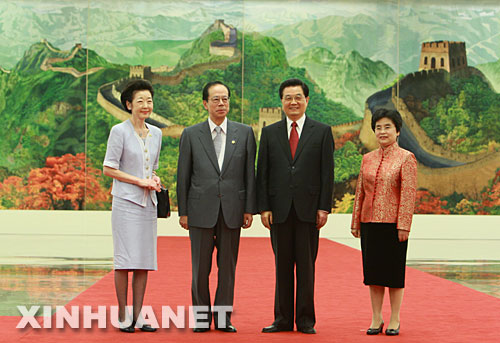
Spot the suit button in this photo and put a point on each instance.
(220, 195)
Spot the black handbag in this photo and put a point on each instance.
(163, 206)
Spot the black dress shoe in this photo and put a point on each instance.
(392, 332)
(309, 330)
(376, 331)
(148, 328)
(201, 329)
(271, 328)
(228, 328)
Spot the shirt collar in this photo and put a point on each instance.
(300, 122)
(387, 150)
(212, 125)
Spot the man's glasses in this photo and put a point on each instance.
(218, 99)
(296, 98)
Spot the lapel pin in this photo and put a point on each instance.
(233, 142)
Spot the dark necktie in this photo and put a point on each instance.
(294, 139)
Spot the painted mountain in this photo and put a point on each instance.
(347, 78)
(111, 33)
(492, 72)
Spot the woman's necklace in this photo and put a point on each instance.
(143, 133)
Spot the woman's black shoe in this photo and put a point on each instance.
(129, 329)
(376, 331)
(392, 332)
(148, 328)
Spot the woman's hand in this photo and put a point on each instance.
(149, 184)
(156, 178)
(403, 235)
(355, 233)
(153, 183)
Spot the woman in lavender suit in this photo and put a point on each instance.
(131, 160)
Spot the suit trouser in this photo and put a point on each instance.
(295, 246)
(203, 241)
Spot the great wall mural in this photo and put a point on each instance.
(59, 96)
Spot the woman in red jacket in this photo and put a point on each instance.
(382, 215)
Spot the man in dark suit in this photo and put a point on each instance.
(294, 195)
(216, 197)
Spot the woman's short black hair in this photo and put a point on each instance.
(213, 83)
(132, 87)
(393, 115)
(292, 83)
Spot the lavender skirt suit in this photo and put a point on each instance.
(133, 215)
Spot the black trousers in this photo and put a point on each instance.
(295, 246)
(203, 241)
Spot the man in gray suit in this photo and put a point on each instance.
(216, 197)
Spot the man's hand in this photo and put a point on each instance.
(183, 222)
(356, 233)
(267, 218)
(321, 218)
(247, 220)
(403, 235)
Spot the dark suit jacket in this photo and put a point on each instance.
(202, 188)
(307, 180)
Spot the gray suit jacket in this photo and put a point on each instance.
(202, 188)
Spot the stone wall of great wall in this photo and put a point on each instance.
(339, 130)
(468, 179)
(447, 55)
(228, 46)
(194, 70)
(115, 111)
(366, 135)
(51, 48)
(47, 63)
(170, 129)
(222, 50)
(425, 142)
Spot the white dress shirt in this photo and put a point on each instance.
(223, 127)
(300, 125)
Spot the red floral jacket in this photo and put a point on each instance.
(386, 188)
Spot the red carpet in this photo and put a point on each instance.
(433, 308)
